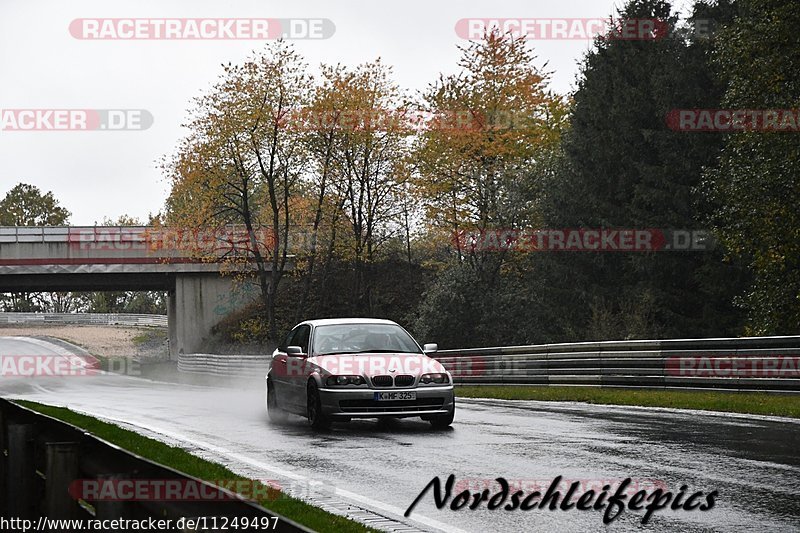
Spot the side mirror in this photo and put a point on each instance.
(294, 351)
(430, 348)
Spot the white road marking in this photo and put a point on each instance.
(219, 450)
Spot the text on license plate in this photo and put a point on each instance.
(388, 396)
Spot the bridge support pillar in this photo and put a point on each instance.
(198, 304)
(171, 324)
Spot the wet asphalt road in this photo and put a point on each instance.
(753, 463)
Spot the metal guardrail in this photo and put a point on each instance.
(739, 364)
(41, 458)
(224, 365)
(769, 364)
(100, 319)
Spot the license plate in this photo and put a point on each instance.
(389, 396)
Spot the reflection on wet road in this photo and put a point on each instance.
(754, 463)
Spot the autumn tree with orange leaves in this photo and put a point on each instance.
(493, 126)
(368, 151)
(240, 164)
(482, 163)
(347, 160)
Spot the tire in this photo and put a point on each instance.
(276, 414)
(316, 419)
(442, 421)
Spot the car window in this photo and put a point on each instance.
(301, 336)
(287, 341)
(355, 338)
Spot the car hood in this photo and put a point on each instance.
(368, 364)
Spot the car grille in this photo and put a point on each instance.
(395, 406)
(403, 380)
(382, 381)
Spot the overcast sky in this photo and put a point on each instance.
(108, 173)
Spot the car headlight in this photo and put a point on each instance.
(343, 381)
(434, 378)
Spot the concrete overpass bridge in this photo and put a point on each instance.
(188, 265)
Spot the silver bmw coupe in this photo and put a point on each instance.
(338, 369)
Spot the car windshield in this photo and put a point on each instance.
(362, 338)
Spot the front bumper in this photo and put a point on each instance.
(360, 403)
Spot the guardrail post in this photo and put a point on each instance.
(20, 472)
(3, 465)
(61, 471)
(109, 509)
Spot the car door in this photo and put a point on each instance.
(279, 370)
(296, 368)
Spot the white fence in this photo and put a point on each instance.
(99, 319)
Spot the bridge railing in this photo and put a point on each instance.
(202, 242)
(100, 319)
(739, 364)
(51, 469)
(17, 234)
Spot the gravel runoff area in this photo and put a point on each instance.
(144, 344)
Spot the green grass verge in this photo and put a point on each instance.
(176, 458)
(141, 338)
(733, 402)
(149, 335)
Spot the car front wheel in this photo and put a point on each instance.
(314, 408)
